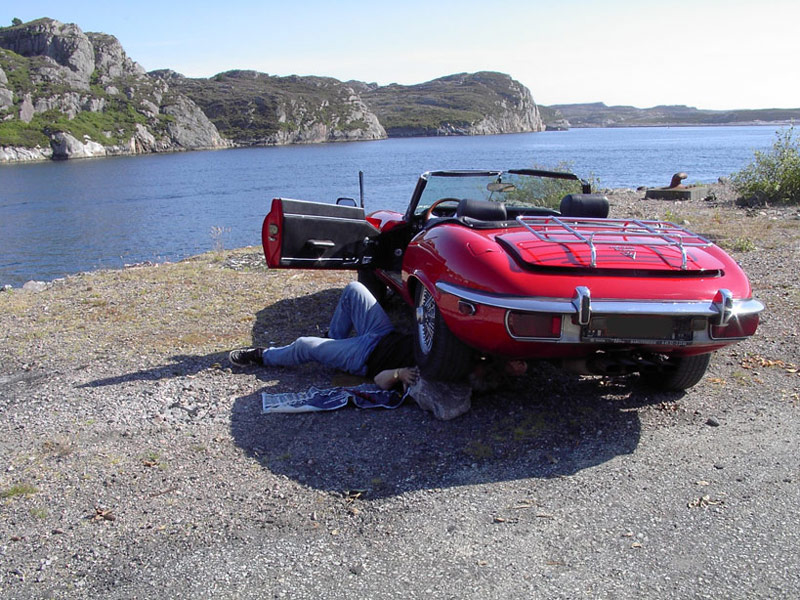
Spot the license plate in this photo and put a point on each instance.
(637, 328)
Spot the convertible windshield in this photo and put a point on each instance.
(515, 188)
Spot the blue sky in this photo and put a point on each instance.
(706, 53)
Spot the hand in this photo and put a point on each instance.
(408, 375)
(389, 378)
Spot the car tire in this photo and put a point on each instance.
(439, 354)
(376, 287)
(679, 373)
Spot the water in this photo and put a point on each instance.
(58, 218)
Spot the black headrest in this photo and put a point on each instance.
(584, 205)
(482, 210)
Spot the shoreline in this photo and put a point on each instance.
(32, 155)
(622, 200)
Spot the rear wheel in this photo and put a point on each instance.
(678, 373)
(439, 354)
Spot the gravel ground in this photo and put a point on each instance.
(136, 463)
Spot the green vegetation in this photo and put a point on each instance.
(744, 245)
(773, 176)
(115, 123)
(17, 72)
(26, 135)
(19, 489)
(544, 191)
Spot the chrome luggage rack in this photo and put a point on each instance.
(592, 232)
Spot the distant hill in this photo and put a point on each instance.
(463, 104)
(598, 114)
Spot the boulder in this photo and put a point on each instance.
(65, 146)
(446, 400)
(6, 99)
(26, 109)
(34, 286)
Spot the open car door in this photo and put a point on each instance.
(316, 235)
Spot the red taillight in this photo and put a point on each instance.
(738, 327)
(534, 325)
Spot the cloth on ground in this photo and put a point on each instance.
(314, 399)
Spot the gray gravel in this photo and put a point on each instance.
(144, 469)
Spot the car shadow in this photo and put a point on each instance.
(548, 423)
(540, 426)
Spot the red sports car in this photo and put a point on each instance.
(491, 268)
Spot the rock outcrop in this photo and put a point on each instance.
(69, 94)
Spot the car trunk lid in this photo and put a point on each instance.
(619, 244)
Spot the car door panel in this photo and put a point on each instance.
(316, 235)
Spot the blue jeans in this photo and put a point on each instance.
(357, 310)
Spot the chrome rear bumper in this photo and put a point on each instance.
(718, 311)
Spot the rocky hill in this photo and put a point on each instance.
(253, 108)
(464, 104)
(65, 93)
(257, 108)
(597, 114)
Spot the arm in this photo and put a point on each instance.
(389, 378)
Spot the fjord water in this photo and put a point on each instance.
(58, 218)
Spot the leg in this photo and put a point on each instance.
(357, 309)
(348, 354)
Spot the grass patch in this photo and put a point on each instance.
(743, 245)
(19, 489)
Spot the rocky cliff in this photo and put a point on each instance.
(65, 94)
(464, 104)
(255, 108)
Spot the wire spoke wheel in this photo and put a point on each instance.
(426, 320)
(439, 354)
